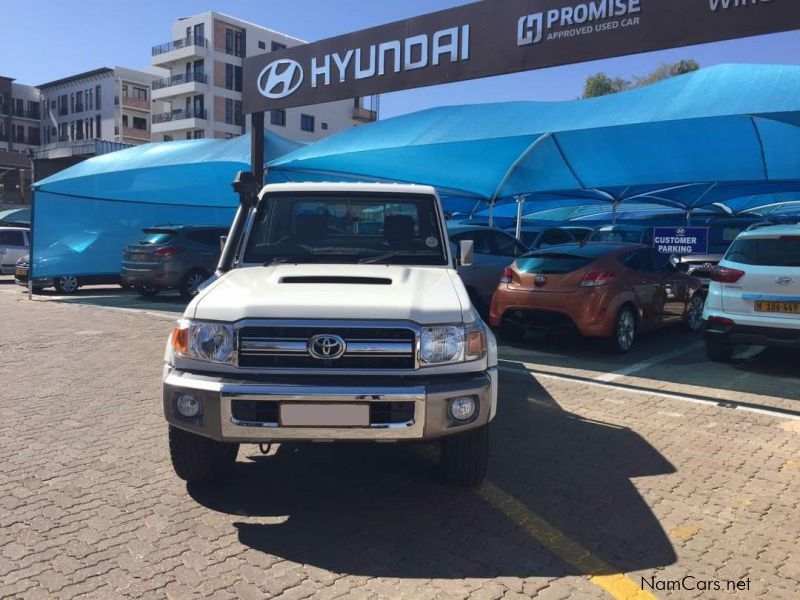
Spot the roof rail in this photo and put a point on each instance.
(759, 225)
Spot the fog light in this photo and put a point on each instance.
(463, 408)
(188, 406)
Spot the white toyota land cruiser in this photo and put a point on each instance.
(338, 316)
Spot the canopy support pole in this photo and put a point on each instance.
(511, 170)
(520, 210)
(614, 211)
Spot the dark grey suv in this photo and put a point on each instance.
(172, 257)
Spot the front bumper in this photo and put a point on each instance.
(429, 397)
(756, 335)
(21, 278)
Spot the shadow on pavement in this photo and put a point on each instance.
(755, 370)
(381, 510)
(116, 297)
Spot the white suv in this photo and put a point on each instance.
(754, 295)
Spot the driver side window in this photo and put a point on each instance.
(507, 245)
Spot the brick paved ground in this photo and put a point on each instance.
(89, 505)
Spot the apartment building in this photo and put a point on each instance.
(19, 116)
(204, 86)
(19, 136)
(114, 105)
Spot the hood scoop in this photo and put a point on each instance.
(323, 279)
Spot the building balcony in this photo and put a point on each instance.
(136, 134)
(33, 115)
(182, 49)
(364, 115)
(177, 85)
(179, 119)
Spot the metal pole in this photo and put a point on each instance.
(30, 231)
(491, 214)
(257, 147)
(520, 210)
(614, 212)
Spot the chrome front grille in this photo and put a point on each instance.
(286, 347)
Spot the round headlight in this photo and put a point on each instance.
(463, 408)
(212, 341)
(441, 344)
(188, 406)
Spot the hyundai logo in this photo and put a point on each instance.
(784, 281)
(326, 347)
(540, 280)
(280, 78)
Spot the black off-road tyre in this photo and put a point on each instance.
(465, 457)
(719, 352)
(197, 459)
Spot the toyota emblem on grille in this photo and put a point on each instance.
(326, 346)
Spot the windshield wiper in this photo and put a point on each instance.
(307, 258)
(365, 260)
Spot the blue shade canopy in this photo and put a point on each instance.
(730, 123)
(85, 215)
(191, 172)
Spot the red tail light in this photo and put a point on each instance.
(507, 276)
(724, 321)
(597, 278)
(168, 251)
(726, 275)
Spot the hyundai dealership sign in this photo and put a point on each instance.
(682, 241)
(495, 37)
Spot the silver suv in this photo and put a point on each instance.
(14, 244)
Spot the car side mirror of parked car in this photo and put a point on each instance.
(223, 239)
(674, 260)
(467, 250)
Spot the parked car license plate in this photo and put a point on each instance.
(138, 256)
(324, 415)
(20, 272)
(778, 307)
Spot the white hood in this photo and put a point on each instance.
(425, 295)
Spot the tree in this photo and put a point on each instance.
(601, 84)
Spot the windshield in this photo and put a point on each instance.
(614, 235)
(766, 252)
(346, 228)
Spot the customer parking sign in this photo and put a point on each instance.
(681, 240)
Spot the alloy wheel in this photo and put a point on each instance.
(695, 317)
(193, 282)
(68, 284)
(626, 329)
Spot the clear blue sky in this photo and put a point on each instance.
(57, 38)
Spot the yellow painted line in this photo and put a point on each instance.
(617, 584)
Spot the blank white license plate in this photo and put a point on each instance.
(324, 415)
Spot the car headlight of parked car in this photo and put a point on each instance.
(212, 342)
(447, 344)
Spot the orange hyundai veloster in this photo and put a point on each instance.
(606, 290)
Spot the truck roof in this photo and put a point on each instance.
(344, 186)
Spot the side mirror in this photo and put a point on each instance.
(674, 260)
(223, 239)
(467, 251)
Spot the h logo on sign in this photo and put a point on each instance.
(529, 30)
(280, 78)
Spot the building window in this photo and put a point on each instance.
(33, 136)
(198, 135)
(307, 123)
(277, 117)
(277, 46)
(97, 131)
(19, 134)
(79, 129)
(72, 103)
(140, 123)
(324, 126)
(262, 46)
(97, 97)
(139, 93)
(228, 110)
(233, 77)
(124, 120)
(168, 138)
(72, 130)
(62, 105)
(79, 101)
